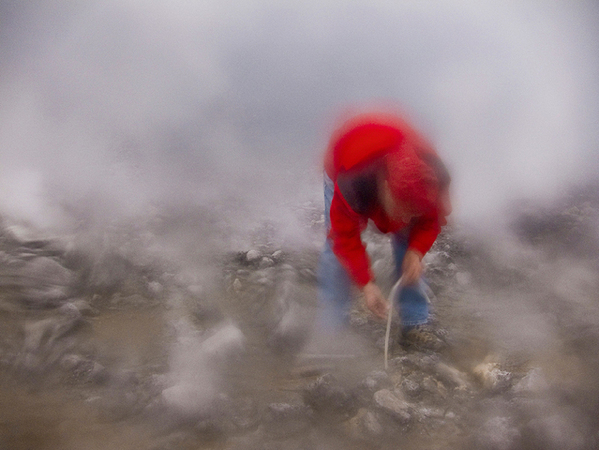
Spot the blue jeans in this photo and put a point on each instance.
(334, 282)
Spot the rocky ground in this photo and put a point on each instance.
(108, 343)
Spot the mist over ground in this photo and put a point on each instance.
(167, 142)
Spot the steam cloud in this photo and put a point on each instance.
(122, 104)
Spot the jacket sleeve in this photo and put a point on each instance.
(345, 235)
(423, 233)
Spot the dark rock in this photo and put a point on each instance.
(393, 404)
(434, 387)
(326, 395)
(412, 387)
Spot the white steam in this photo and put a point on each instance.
(130, 103)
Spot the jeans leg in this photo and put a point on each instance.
(334, 283)
(412, 302)
(334, 289)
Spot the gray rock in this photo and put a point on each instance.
(415, 362)
(43, 281)
(365, 424)
(71, 362)
(427, 412)
(376, 380)
(452, 376)
(492, 377)
(70, 310)
(371, 424)
(97, 373)
(266, 262)
(393, 404)
(264, 281)
(48, 271)
(253, 256)
(284, 411)
(327, 395)
(83, 370)
(44, 296)
(263, 277)
(91, 371)
(83, 306)
(433, 387)
(411, 387)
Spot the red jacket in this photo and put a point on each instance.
(351, 161)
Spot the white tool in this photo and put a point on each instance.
(392, 296)
(395, 291)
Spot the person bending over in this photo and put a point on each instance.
(379, 168)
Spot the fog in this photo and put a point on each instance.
(127, 104)
(181, 144)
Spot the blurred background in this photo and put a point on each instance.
(125, 104)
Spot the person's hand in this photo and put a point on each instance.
(411, 267)
(375, 301)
